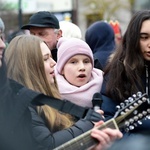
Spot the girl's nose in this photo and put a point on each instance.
(53, 62)
(81, 66)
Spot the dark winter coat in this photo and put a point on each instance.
(15, 117)
(109, 107)
(50, 140)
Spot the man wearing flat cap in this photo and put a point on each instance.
(46, 26)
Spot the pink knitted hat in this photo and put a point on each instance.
(70, 47)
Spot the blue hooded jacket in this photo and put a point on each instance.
(100, 37)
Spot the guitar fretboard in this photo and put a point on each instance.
(85, 140)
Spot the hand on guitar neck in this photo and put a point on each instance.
(104, 137)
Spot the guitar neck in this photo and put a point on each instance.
(84, 141)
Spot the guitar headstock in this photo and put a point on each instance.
(130, 113)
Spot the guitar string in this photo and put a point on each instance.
(85, 140)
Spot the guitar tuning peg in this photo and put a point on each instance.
(139, 102)
(131, 107)
(139, 122)
(127, 110)
(135, 104)
(134, 96)
(139, 94)
(144, 113)
(122, 105)
(131, 127)
(126, 101)
(148, 116)
(140, 115)
(148, 110)
(144, 99)
(127, 123)
(130, 99)
(135, 112)
(131, 120)
(117, 107)
(136, 118)
(122, 113)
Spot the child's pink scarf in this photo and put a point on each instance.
(81, 95)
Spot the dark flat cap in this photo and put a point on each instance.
(43, 19)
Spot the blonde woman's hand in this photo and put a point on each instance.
(105, 137)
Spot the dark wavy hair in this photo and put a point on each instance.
(127, 64)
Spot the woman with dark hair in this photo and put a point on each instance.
(129, 69)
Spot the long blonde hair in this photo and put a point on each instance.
(25, 65)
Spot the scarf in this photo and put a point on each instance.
(83, 95)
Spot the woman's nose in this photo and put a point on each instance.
(53, 62)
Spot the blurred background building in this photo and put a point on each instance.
(15, 13)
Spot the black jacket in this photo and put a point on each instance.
(109, 107)
(20, 131)
(15, 117)
(54, 54)
(52, 140)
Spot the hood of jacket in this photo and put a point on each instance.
(100, 37)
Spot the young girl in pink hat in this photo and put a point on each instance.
(77, 79)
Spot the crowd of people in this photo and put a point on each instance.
(50, 66)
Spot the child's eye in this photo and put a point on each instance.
(72, 62)
(87, 61)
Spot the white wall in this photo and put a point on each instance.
(31, 6)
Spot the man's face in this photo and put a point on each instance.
(49, 35)
(2, 47)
